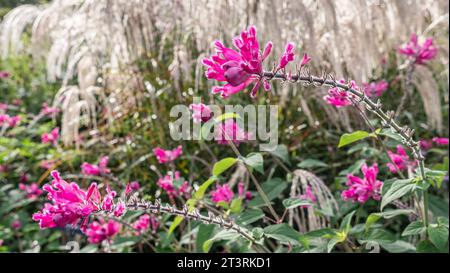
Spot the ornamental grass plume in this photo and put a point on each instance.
(362, 189)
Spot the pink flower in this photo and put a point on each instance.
(440, 141)
(100, 169)
(288, 56)
(230, 130)
(305, 60)
(3, 107)
(98, 232)
(201, 112)
(222, 194)
(425, 144)
(238, 68)
(51, 137)
(375, 89)
(419, 53)
(242, 193)
(144, 222)
(400, 159)
(4, 75)
(9, 121)
(362, 189)
(339, 97)
(308, 195)
(167, 184)
(164, 156)
(132, 186)
(119, 209)
(47, 164)
(47, 110)
(16, 224)
(70, 204)
(33, 191)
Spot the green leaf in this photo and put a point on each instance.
(205, 232)
(398, 189)
(426, 247)
(442, 221)
(311, 163)
(352, 137)
(291, 203)
(202, 189)
(438, 236)
(221, 235)
(332, 243)
(322, 233)
(282, 233)
(398, 246)
(249, 216)
(374, 217)
(223, 165)
(177, 221)
(256, 161)
(236, 205)
(228, 115)
(346, 222)
(273, 188)
(379, 236)
(258, 233)
(414, 228)
(282, 152)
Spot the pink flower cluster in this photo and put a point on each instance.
(132, 186)
(400, 159)
(47, 110)
(51, 137)
(8, 121)
(70, 204)
(339, 97)
(419, 53)
(238, 68)
(375, 89)
(200, 112)
(100, 169)
(362, 189)
(33, 190)
(164, 156)
(167, 184)
(225, 194)
(229, 130)
(100, 231)
(144, 223)
(428, 144)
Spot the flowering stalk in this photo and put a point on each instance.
(405, 133)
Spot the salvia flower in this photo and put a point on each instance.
(100, 231)
(229, 130)
(8, 121)
(375, 89)
(47, 110)
(400, 159)
(100, 169)
(419, 53)
(222, 194)
(425, 144)
(238, 68)
(70, 204)
(305, 60)
(167, 183)
(132, 186)
(440, 141)
(51, 137)
(33, 190)
(16, 224)
(288, 56)
(243, 193)
(200, 112)
(164, 156)
(362, 189)
(338, 97)
(4, 75)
